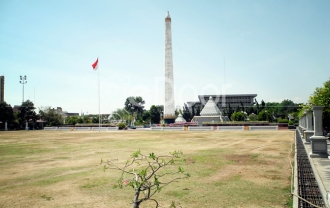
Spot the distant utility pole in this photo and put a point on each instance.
(23, 82)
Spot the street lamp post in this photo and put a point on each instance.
(23, 82)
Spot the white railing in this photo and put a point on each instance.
(112, 128)
(82, 128)
(54, 128)
(99, 128)
(230, 128)
(256, 128)
(173, 128)
(156, 128)
(65, 128)
(200, 128)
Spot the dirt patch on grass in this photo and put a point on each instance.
(241, 159)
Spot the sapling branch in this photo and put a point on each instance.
(144, 169)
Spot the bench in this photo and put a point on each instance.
(230, 128)
(200, 128)
(252, 128)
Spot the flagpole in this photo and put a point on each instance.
(99, 95)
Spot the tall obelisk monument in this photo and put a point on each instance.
(169, 110)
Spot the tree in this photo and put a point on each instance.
(82, 119)
(321, 97)
(263, 104)
(253, 117)
(275, 106)
(303, 108)
(238, 116)
(72, 120)
(265, 115)
(6, 113)
(134, 105)
(193, 113)
(196, 109)
(186, 114)
(155, 112)
(230, 111)
(287, 106)
(238, 109)
(120, 115)
(95, 119)
(51, 116)
(177, 110)
(146, 116)
(34, 118)
(26, 112)
(256, 108)
(242, 106)
(146, 174)
(249, 110)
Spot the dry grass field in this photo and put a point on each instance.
(62, 169)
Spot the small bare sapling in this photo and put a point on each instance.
(148, 174)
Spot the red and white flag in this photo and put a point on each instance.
(95, 65)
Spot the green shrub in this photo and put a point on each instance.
(290, 122)
(253, 117)
(238, 116)
(265, 115)
(121, 126)
(282, 120)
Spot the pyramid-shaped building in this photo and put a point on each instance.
(210, 113)
(180, 119)
(211, 109)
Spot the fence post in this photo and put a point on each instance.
(319, 142)
(309, 130)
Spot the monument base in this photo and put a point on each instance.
(302, 133)
(314, 155)
(307, 136)
(319, 145)
(169, 119)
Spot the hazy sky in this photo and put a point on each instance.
(276, 49)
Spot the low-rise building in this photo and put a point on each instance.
(224, 101)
